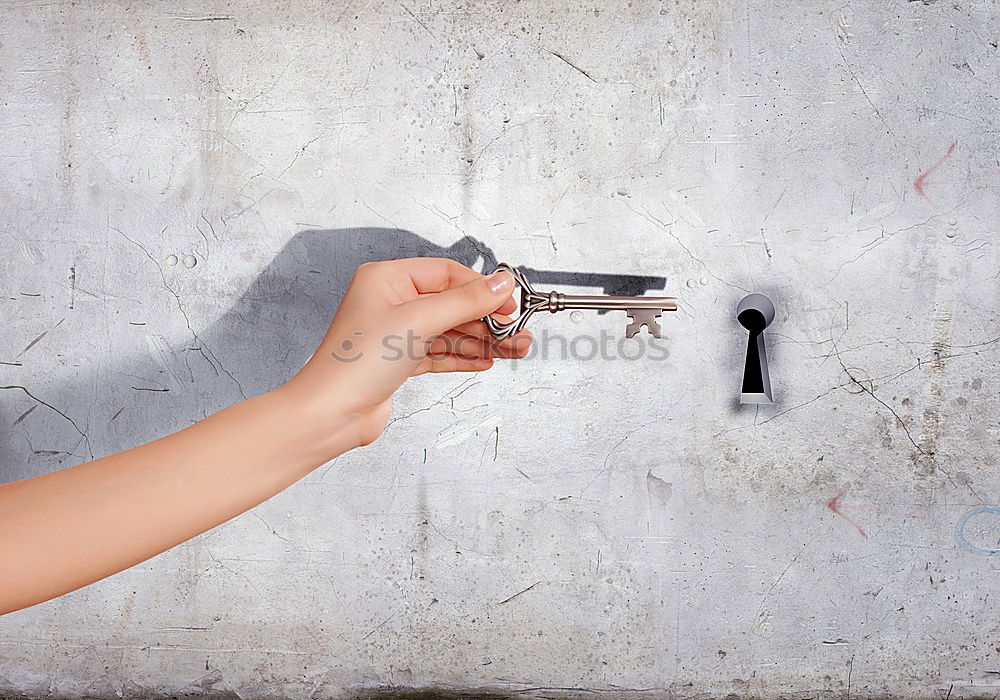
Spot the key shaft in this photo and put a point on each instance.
(560, 302)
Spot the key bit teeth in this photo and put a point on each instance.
(640, 318)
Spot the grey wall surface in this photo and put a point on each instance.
(186, 188)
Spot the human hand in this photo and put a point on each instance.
(400, 319)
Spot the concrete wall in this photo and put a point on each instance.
(186, 188)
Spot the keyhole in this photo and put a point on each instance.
(755, 313)
(753, 320)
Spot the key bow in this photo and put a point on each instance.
(531, 301)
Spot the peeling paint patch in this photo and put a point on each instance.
(658, 488)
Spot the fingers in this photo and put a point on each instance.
(475, 356)
(456, 343)
(478, 329)
(508, 307)
(428, 275)
(436, 313)
(505, 310)
(452, 363)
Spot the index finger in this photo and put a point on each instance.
(430, 275)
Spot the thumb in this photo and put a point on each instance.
(436, 313)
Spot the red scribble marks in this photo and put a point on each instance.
(921, 181)
(834, 505)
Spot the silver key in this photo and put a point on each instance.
(644, 311)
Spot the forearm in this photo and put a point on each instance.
(64, 530)
(67, 529)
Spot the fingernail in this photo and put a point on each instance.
(500, 282)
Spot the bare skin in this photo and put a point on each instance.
(70, 528)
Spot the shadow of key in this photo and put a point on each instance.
(610, 285)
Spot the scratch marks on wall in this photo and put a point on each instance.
(416, 19)
(32, 253)
(682, 210)
(870, 392)
(200, 346)
(23, 416)
(202, 18)
(762, 623)
(519, 593)
(572, 65)
(164, 355)
(607, 465)
(864, 92)
(843, 28)
(76, 427)
(461, 431)
(32, 344)
(38, 339)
